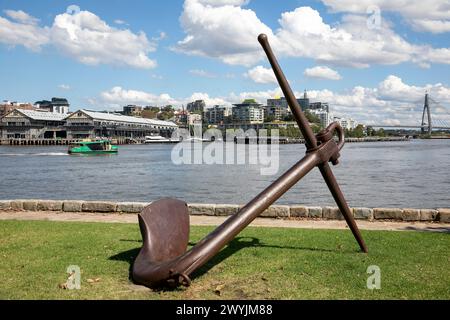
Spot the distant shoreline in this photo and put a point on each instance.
(62, 142)
(282, 140)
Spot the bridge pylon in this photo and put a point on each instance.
(426, 125)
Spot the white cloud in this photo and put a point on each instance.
(64, 87)
(120, 22)
(225, 32)
(118, 96)
(304, 34)
(391, 102)
(202, 73)
(424, 15)
(259, 74)
(88, 39)
(162, 35)
(433, 26)
(322, 72)
(229, 33)
(81, 35)
(23, 32)
(209, 101)
(21, 17)
(393, 88)
(259, 96)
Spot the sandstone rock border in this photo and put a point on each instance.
(275, 211)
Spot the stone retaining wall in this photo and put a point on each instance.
(275, 211)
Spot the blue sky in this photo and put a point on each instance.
(111, 53)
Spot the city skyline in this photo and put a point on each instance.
(373, 68)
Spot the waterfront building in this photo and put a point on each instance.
(218, 114)
(7, 106)
(57, 105)
(319, 106)
(32, 124)
(346, 123)
(278, 102)
(304, 102)
(326, 118)
(180, 117)
(184, 118)
(92, 124)
(132, 110)
(274, 112)
(248, 112)
(197, 106)
(282, 105)
(194, 118)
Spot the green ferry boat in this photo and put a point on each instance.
(93, 147)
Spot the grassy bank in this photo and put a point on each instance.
(262, 263)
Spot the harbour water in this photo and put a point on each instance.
(413, 174)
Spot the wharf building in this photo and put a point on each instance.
(32, 125)
(84, 124)
(29, 127)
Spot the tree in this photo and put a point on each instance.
(381, 133)
(288, 117)
(149, 114)
(270, 119)
(358, 132)
(316, 127)
(168, 108)
(370, 131)
(166, 113)
(312, 118)
(293, 132)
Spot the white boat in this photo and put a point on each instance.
(158, 139)
(196, 139)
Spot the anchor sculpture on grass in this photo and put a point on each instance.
(164, 224)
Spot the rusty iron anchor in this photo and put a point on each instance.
(164, 224)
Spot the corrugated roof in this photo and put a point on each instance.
(118, 117)
(40, 115)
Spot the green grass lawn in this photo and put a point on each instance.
(262, 263)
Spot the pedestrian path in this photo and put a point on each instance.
(214, 221)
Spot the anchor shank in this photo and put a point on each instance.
(216, 240)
